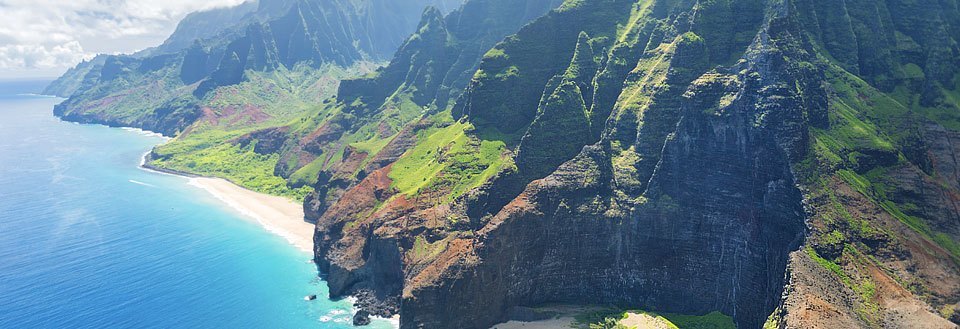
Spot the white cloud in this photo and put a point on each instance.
(33, 56)
(53, 35)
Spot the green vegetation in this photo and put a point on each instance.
(882, 99)
(828, 264)
(608, 323)
(282, 94)
(614, 319)
(850, 133)
(712, 320)
(308, 174)
(447, 159)
(868, 136)
(129, 99)
(210, 154)
(424, 251)
(774, 320)
(509, 84)
(266, 100)
(868, 309)
(867, 117)
(871, 185)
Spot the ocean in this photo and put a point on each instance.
(90, 240)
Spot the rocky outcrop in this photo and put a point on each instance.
(266, 141)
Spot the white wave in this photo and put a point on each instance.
(394, 321)
(37, 95)
(336, 315)
(143, 161)
(141, 183)
(145, 133)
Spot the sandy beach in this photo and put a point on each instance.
(279, 215)
(558, 323)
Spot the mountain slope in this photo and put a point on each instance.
(207, 24)
(271, 68)
(195, 26)
(75, 78)
(437, 61)
(175, 85)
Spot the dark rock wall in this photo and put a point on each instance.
(712, 232)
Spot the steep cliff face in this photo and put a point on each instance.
(681, 156)
(695, 236)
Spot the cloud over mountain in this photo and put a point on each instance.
(44, 37)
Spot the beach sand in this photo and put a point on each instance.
(558, 323)
(563, 317)
(567, 319)
(279, 215)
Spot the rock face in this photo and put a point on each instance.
(699, 238)
(681, 156)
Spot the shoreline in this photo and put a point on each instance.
(277, 215)
(294, 229)
(227, 192)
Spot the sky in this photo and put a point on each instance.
(43, 38)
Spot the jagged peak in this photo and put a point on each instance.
(583, 57)
(431, 14)
(431, 21)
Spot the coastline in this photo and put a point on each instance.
(76, 202)
(277, 215)
(289, 224)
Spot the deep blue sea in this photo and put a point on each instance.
(89, 240)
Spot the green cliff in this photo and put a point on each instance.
(608, 151)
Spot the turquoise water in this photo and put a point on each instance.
(89, 240)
